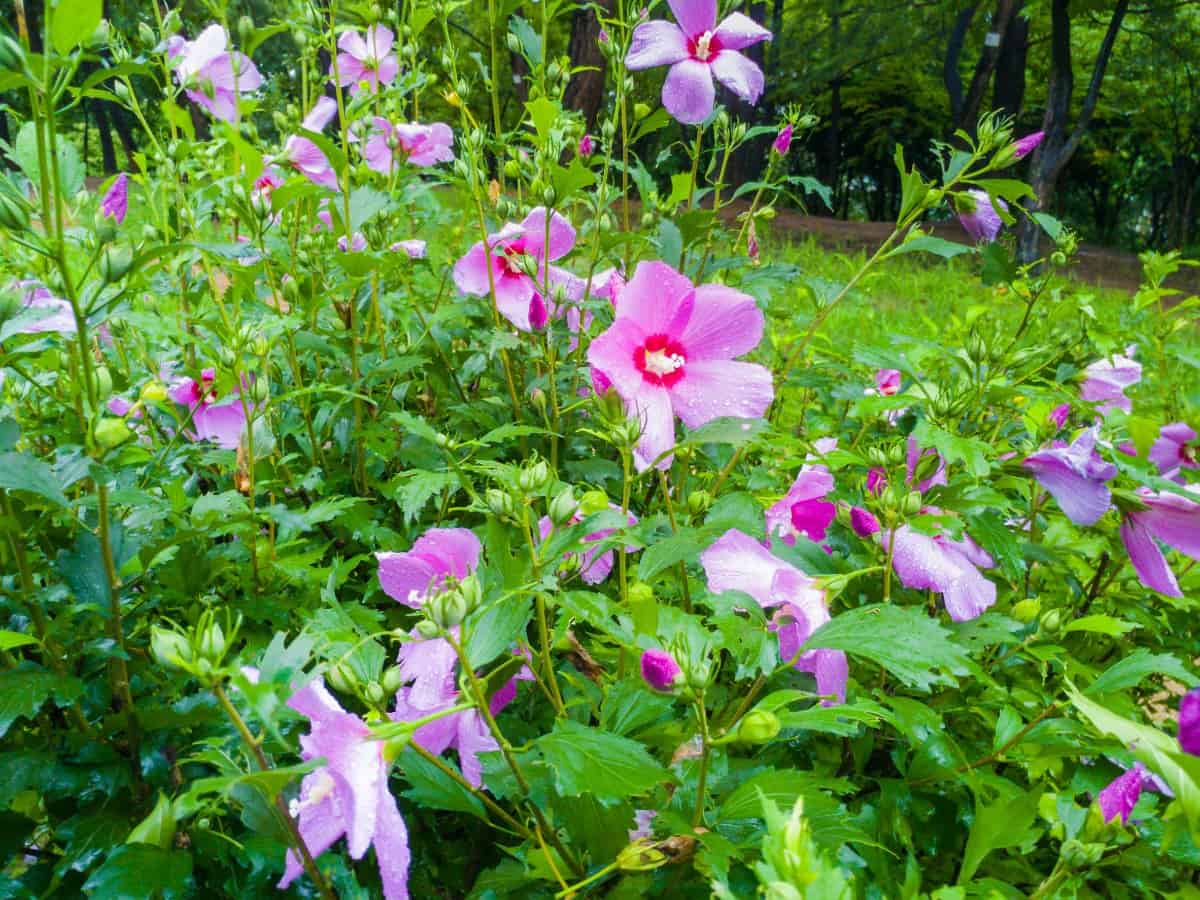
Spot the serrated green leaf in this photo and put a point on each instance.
(137, 871)
(927, 243)
(1137, 665)
(432, 788)
(830, 825)
(497, 629)
(1004, 823)
(588, 760)
(23, 691)
(22, 472)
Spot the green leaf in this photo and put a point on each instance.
(989, 530)
(365, 204)
(972, 452)
(1005, 823)
(418, 487)
(70, 164)
(434, 789)
(23, 691)
(1137, 665)
(682, 547)
(497, 629)
(830, 824)
(669, 242)
(587, 760)
(726, 430)
(22, 472)
(158, 828)
(10, 640)
(137, 871)
(1049, 224)
(1101, 624)
(530, 40)
(841, 720)
(630, 705)
(74, 22)
(905, 641)
(212, 508)
(543, 113)
(927, 243)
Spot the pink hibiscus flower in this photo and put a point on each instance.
(1122, 794)
(221, 421)
(415, 575)
(671, 352)
(1175, 449)
(697, 49)
(1106, 380)
(115, 202)
(803, 510)
(418, 145)
(737, 562)
(212, 75)
(52, 314)
(366, 58)
(302, 155)
(516, 255)
(951, 568)
(979, 217)
(1076, 476)
(1170, 518)
(594, 566)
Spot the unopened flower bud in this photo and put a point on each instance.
(698, 502)
(111, 432)
(212, 643)
(514, 43)
(1051, 621)
(660, 671)
(392, 680)
(428, 630)
(533, 477)
(374, 694)
(154, 392)
(261, 389)
(1027, 610)
(115, 262)
(341, 678)
(170, 648)
(593, 502)
(563, 507)
(912, 503)
(102, 380)
(499, 502)
(759, 726)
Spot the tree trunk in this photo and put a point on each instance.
(747, 162)
(950, 74)
(1009, 93)
(1061, 142)
(585, 90)
(108, 153)
(972, 104)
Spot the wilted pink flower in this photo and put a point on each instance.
(594, 566)
(348, 795)
(783, 141)
(887, 382)
(516, 255)
(659, 670)
(1175, 449)
(1060, 414)
(951, 568)
(413, 248)
(1121, 796)
(302, 155)
(803, 510)
(54, 313)
(737, 562)
(212, 75)
(413, 576)
(1170, 518)
(697, 51)
(1107, 379)
(1189, 722)
(979, 217)
(1076, 476)
(418, 145)
(671, 352)
(222, 421)
(356, 244)
(1026, 145)
(366, 58)
(586, 148)
(115, 202)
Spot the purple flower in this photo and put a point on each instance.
(1076, 476)
(1026, 145)
(1121, 796)
(222, 421)
(366, 58)
(413, 248)
(643, 824)
(1189, 722)
(659, 670)
(302, 155)
(115, 203)
(594, 566)
(671, 352)
(951, 568)
(887, 382)
(348, 795)
(417, 145)
(1175, 449)
(212, 75)
(696, 51)
(803, 511)
(413, 576)
(979, 217)
(1106, 380)
(356, 244)
(913, 461)
(56, 313)
(737, 562)
(1169, 518)
(513, 254)
(586, 146)
(783, 141)
(1060, 414)
(863, 522)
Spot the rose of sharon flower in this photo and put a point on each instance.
(697, 49)
(1060, 414)
(1175, 449)
(54, 313)
(659, 670)
(1075, 476)
(594, 566)
(366, 58)
(212, 75)
(737, 562)
(1106, 380)
(223, 422)
(413, 248)
(305, 157)
(414, 576)
(670, 351)
(951, 568)
(1026, 145)
(1189, 722)
(783, 141)
(803, 510)
(348, 795)
(1169, 518)
(887, 382)
(1121, 796)
(115, 202)
(979, 217)
(418, 145)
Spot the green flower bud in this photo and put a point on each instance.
(698, 502)
(391, 680)
(146, 35)
(514, 43)
(759, 726)
(102, 379)
(111, 432)
(640, 111)
(212, 643)
(640, 592)
(877, 456)
(640, 857)
(912, 503)
(1051, 621)
(375, 694)
(533, 477)
(428, 629)
(593, 502)
(499, 503)
(341, 678)
(170, 648)
(1027, 610)
(261, 389)
(563, 507)
(115, 262)
(448, 609)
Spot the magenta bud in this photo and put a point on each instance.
(783, 140)
(660, 670)
(1028, 144)
(863, 522)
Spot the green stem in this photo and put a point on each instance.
(705, 753)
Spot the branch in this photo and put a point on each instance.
(1093, 92)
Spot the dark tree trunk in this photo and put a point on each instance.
(748, 161)
(1061, 141)
(972, 104)
(1009, 94)
(585, 90)
(108, 153)
(954, 47)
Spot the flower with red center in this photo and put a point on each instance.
(222, 421)
(671, 352)
(1175, 449)
(887, 382)
(697, 49)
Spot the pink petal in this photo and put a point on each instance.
(513, 296)
(473, 739)
(656, 44)
(651, 408)
(688, 92)
(737, 562)
(350, 70)
(612, 353)
(434, 736)
(456, 550)
(380, 39)
(1121, 796)
(320, 826)
(724, 324)
(352, 42)
(378, 154)
(695, 16)
(223, 425)
(1147, 559)
(658, 298)
(562, 235)
(738, 73)
(429, 665)
(471, 272)
(1174, 520)
(712, 389)
(320, 115)
(737, 32)
(391, 847)
(406, 577)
